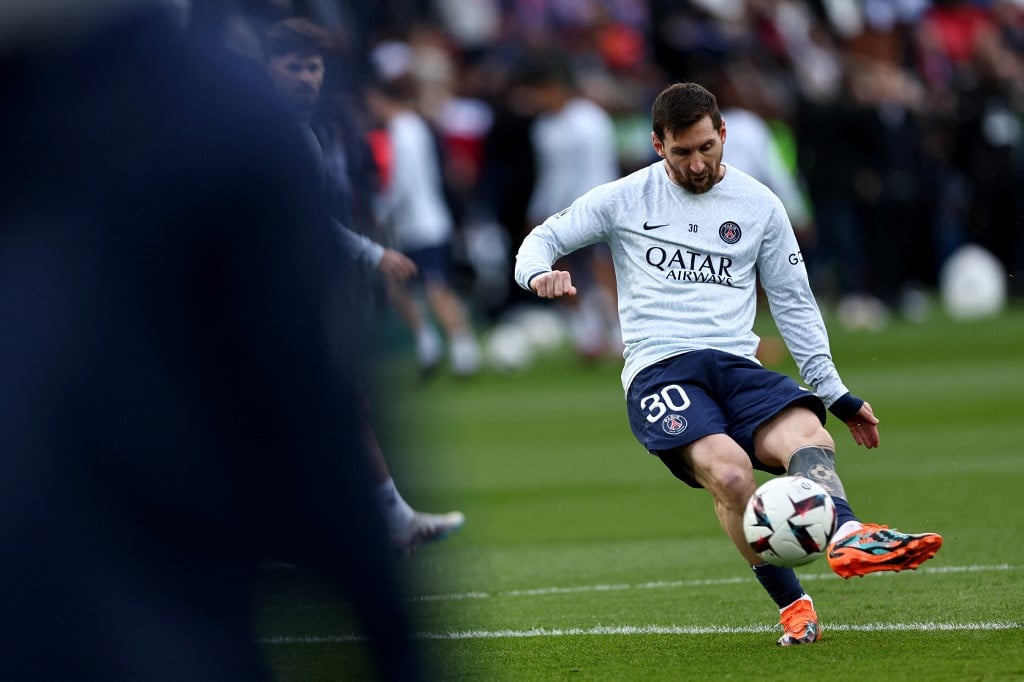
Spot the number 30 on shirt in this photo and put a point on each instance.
(657, 405)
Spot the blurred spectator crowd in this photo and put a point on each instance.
(897, 124)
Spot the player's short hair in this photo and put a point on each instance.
(680, 105)
(296, 36)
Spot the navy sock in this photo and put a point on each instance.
(780, 583)
(843, 512)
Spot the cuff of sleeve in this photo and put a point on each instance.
(846, 407)
(529, 280)
(375, 254)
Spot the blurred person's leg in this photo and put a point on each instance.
(464, 349)
(429, 349)
(407, 527)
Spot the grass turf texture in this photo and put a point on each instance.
(583, 558)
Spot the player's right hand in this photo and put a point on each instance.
(553, 284)
(396, 265)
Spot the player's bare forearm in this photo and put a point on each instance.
(864, 427)
(553, 284)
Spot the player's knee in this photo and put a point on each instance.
(723, 467)
(731, 480)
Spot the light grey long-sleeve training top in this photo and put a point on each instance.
(687, 267)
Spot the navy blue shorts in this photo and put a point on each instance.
(434, 262)
(686, 397)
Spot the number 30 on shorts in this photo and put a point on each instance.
(671, 397)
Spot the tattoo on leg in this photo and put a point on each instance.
(819, 465)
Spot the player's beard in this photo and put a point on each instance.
(696, 184)
(699, 184)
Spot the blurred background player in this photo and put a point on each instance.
(747, 106)
(295, 62)
(415, 211)
(295, 52)
(171, 407)
(573, 141)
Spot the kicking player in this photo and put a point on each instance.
(690, 238)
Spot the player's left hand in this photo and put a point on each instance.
(396, 266)
(864, 427)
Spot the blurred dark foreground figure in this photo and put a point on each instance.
(172, 404)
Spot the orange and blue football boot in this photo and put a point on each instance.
(799, 623)
(880, 548)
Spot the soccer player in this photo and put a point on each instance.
(413, 206)
(295, 50)
(690, 237)
(566, 170)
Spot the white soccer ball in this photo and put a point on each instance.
(973, 283)
(789, 521)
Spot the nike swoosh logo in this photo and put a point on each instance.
(652, 227)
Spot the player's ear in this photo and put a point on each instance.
(659, 147)
(721, 131)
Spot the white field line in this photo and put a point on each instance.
(657, 629)
(603, 630)
(662, 584)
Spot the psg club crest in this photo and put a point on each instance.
(673, 424)
(730, 232)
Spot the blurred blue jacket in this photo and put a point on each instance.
(172, 405)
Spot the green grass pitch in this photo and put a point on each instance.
(582, 558)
